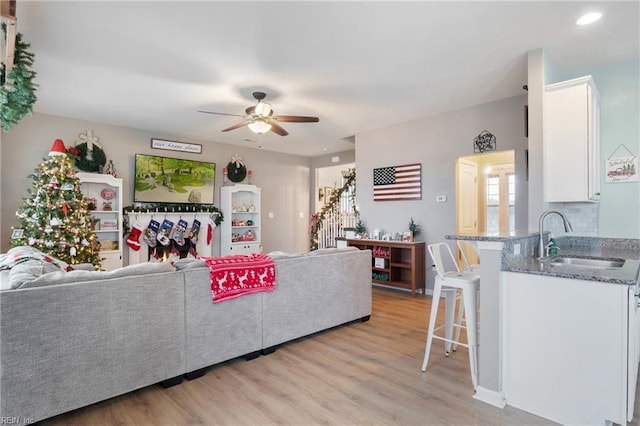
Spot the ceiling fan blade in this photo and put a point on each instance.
(221, 113)
(237, 126)
(295, 119)
(275, 128)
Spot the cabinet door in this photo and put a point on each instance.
(571, 141)
(566, 145)
(633, 354)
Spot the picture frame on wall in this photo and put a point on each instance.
(193, 148)
(328, 193)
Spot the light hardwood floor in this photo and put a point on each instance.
(358, 374)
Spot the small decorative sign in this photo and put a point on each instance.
(485, 141)
(621, 169)
(176, 146)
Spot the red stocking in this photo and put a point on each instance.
(134, 236)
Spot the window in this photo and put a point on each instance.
(500, 199)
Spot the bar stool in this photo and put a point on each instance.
(449, 283)
(465, 249)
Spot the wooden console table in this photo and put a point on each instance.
(395, 263)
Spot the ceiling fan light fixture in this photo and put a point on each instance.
(263, 109)
(259, 126)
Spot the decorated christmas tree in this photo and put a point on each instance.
(54, 218)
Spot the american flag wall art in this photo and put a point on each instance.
(397, 183)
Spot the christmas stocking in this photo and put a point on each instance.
(133, 240)
(178, 233)
(195, 230)
(192, 237)
(211, 225)
(151, 232)
(165, 230)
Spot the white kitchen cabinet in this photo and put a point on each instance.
(569, 348)
(240, 231)
(572, 141)
(105, 200)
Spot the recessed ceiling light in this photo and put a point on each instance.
(589, 18)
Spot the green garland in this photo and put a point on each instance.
(98, 159)
(17, 91)
(176, 208)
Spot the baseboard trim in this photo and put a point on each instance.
(490, 397)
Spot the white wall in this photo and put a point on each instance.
(284, 179)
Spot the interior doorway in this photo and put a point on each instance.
(485, 193)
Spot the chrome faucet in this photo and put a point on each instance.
(567, 228)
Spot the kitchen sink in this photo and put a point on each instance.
(587, 262)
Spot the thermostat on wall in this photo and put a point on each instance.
(441, 198)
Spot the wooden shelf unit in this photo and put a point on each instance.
(395, 263)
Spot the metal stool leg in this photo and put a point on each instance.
(458, 321)
(450, 307)
(437, 288)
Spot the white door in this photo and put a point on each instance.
(467, 197)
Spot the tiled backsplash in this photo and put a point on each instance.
(584, 218)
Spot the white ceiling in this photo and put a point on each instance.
(356, 65)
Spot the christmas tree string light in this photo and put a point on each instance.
(55, 217)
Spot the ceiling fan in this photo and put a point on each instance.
(260, 119)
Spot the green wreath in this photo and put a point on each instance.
(236, 173)
(17, 91)
(98, 158)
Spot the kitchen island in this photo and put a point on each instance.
(559, 340)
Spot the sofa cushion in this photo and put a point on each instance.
(332, 250)
(189, 263)
(61, 277)
(30, 270)
(20, 254)
(275, 255)
(5, 283)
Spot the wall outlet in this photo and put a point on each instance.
(516, 249)
(271, 215)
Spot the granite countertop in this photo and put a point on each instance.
(491, 236)
(603, 248)
(527, 261)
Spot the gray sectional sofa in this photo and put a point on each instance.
(68, 340)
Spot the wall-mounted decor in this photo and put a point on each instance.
(621, 169)
(485, 141)
(236, 170)
(328, 193)
(193, 148)
(173, 180)
(397, 183)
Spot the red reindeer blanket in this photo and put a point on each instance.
(237, 275)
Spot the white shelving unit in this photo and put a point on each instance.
(106, 192)
(240, 230)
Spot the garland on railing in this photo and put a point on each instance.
(317, 219)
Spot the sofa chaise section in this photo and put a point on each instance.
(69, 345)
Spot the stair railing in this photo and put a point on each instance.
(337, 216)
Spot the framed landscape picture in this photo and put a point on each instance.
(173, 180)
